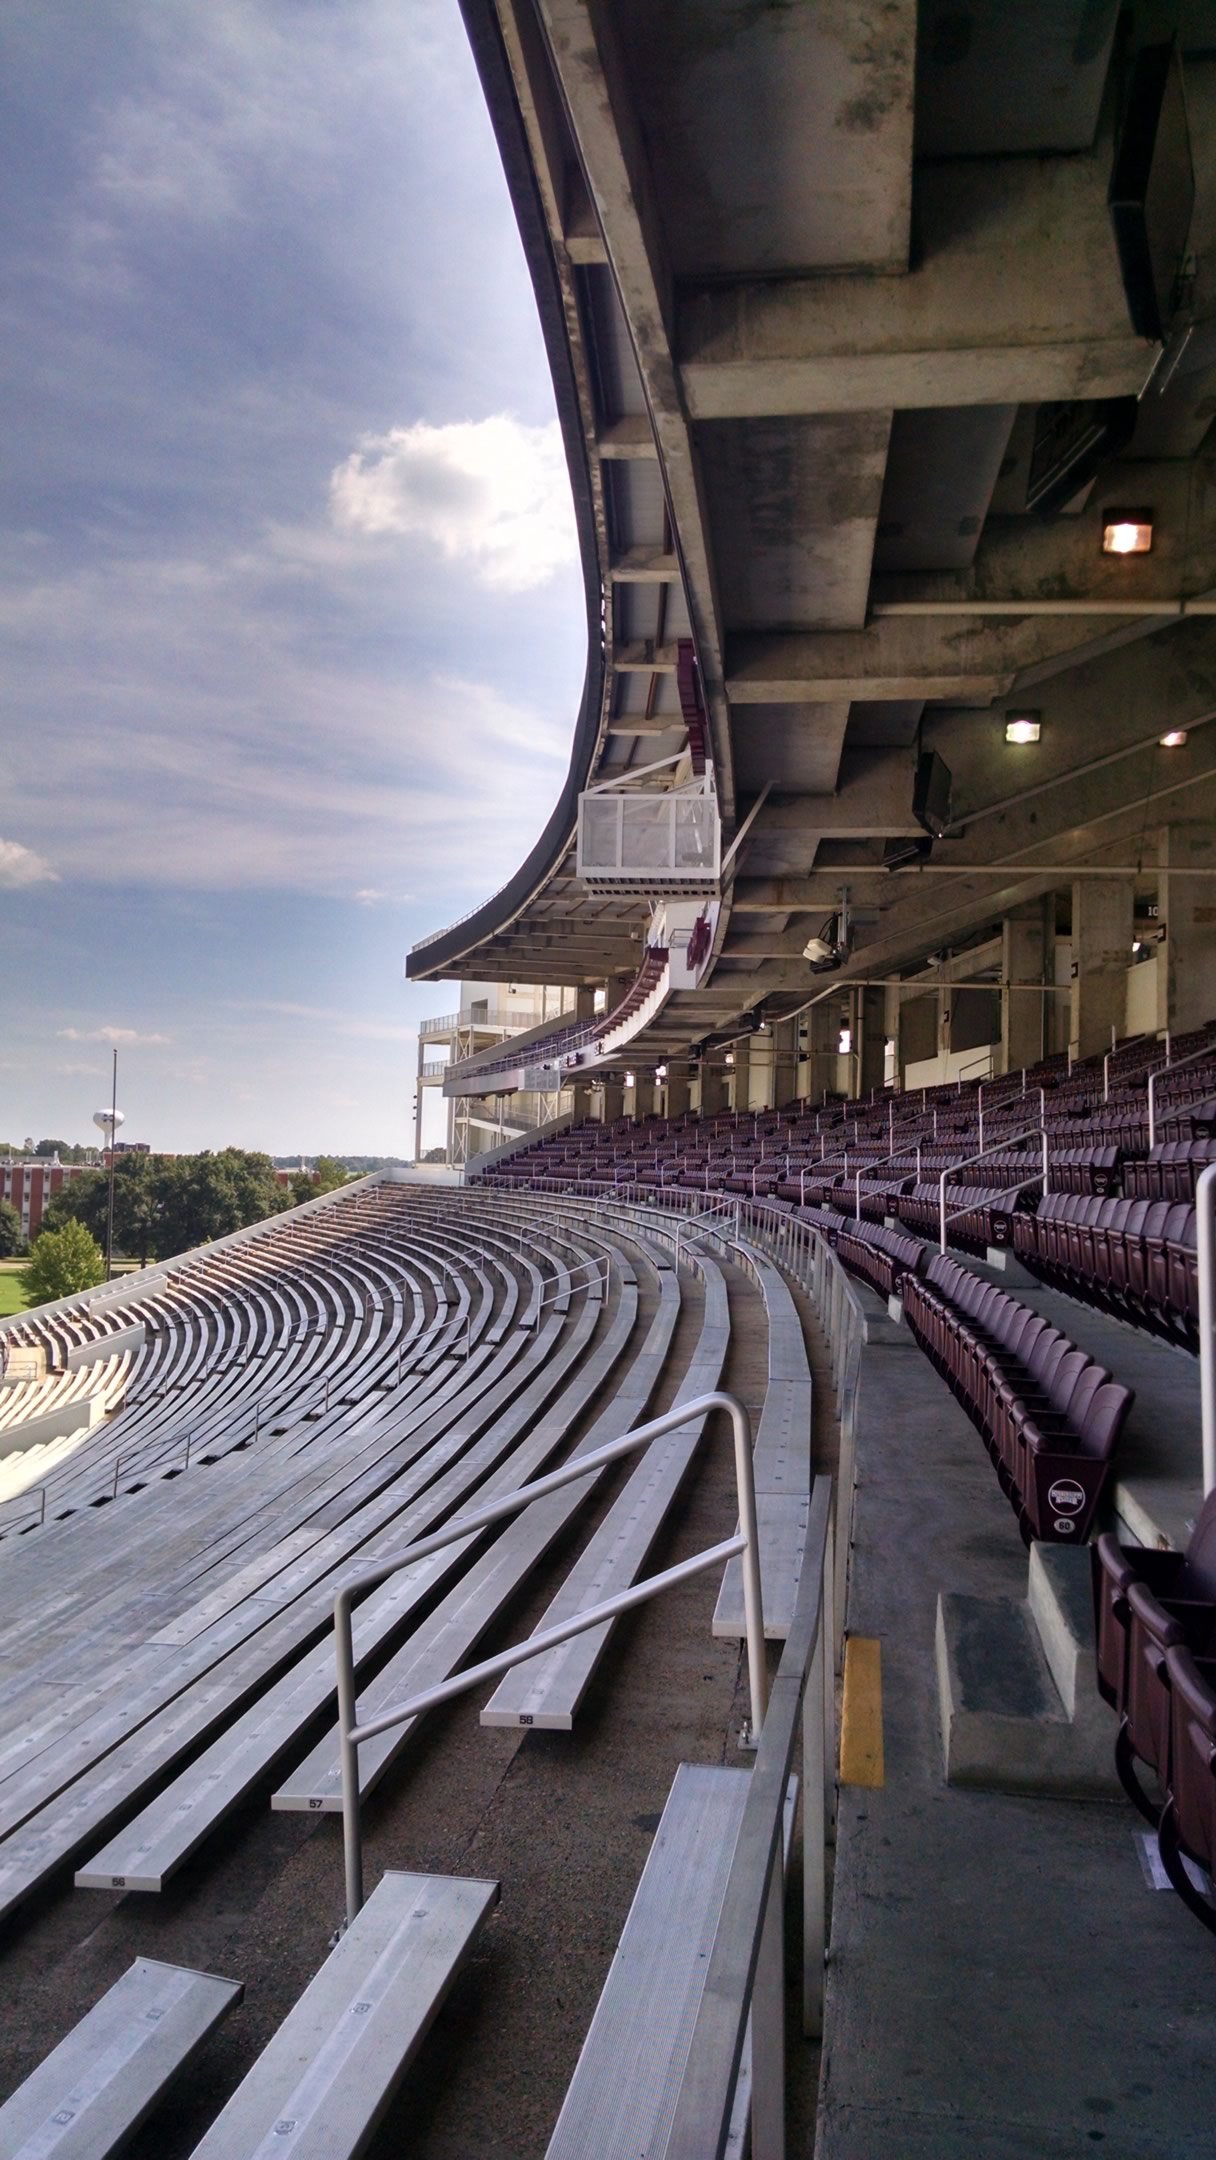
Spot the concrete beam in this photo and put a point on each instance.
(644, 566)
(1017, 297)
(968, 657)
(585, 51)
(874, 799)
(632, 437)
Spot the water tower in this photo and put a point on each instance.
(108, 1122)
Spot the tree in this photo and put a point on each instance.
(11, 1237)
(60, 1262)
(163, 1205)
(326, 1175)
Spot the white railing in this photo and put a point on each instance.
(746, 1965)
(745, 1543)
(1033, 1132)
(867, 1167)
(1006, 1100)
(1158, 1072)
(973, 1065)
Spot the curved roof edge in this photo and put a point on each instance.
(439, 953)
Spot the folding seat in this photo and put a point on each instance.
(1067, 1473)
(1188, 1820)
(1176, 1226)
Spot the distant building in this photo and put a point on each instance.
(490, 1013)
(30, 1187)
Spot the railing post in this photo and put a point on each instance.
(1205, 1226)
(768, 2020)
(815, 1769)
(352, 1834)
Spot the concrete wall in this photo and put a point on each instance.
(127, 1338)
(78, 1416)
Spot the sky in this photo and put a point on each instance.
(290, 605)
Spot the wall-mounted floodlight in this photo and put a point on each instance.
(660, 1072)
(1174, 740)
(1023, 728)
(845, 1043)
(730, 1057)
(1127, 532)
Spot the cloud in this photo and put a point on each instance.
(493, 493)
(20, 866)
(117, 1035)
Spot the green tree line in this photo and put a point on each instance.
(164, 1205)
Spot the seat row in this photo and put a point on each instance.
(1049, 1416)
(880, 1256)
(1155, 1618)
(1134, 1258)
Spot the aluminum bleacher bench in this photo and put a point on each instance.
(782, 1462)
(546, 1691)
(94, 2090)
(321, 2085)
(622, 2098)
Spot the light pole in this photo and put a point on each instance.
(113, 1158)
(108, 1121)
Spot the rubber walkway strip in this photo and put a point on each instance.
(861, 1760)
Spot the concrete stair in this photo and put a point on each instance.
(1020, 1711)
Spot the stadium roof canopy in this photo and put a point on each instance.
(854, 362)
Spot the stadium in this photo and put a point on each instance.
(695, 1631)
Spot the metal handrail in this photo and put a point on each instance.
(1174, 1065)
(894, 1156)
(1033, 1132)
(1205, 1230)
(711, 1214)
(1009, 1099)
(984, 1058)
(39, 1518)
(745, 1968)
(560, 1289)
(745, 1543)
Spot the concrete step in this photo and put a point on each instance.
(1019, 1708)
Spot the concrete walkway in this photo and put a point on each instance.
(1002, 1984)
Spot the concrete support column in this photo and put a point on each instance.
(715, 1089)
(678, 1092)
(742, 1079)
(580, 1101)
(584, 1002)
(785, 1063)
(1186, 957)
(822, 1057)
(1027, 940)
(1101, 955)
(645, 1098)
(613, 1100)
(870, 1039)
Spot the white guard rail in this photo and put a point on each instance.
(1158, 1073)
(1001, 1147)
(745, 1543)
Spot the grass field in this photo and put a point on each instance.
(12, 1297)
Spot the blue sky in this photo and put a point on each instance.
(290, 605)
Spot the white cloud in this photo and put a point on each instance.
(494, 493)
(20, 866)
(118, 1035)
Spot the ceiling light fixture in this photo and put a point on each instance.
(1174, 740)
(1023, 728)
(1127, 532)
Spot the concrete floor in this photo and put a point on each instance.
(1002, 1985)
